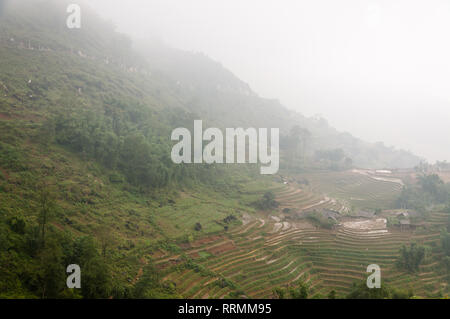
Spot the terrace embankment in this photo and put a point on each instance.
(273, 250)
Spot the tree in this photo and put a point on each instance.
(279, 293)
(150, 285)
(105, 238)
(17, 224)
(150, 280)
(348, 162)
(445, 242)
(434, 186)
(332, 294)
(95, 278)
(411, 257)
(402, 293)
(361, 291)
(95, 272)
(300, 292)
(267, 202)
(430, 183)
(46, 210)
(295, 144)
(51, 270)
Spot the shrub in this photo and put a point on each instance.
(17, 224)
(267, 202)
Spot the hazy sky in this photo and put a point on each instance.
(377, 69)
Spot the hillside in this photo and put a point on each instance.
(214, 92)
(187, 80)
(86, 175)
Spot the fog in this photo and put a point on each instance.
(377, 69)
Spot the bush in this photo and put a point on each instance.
(361, 291)
(116, 178)
(229, 219)
(299, 292)
(267, 202)
(11, 157)
(332, 294)
(17, 224)
(319, 220)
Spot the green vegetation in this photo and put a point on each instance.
(262, 259)
(85, 153)
(86, 177)
(33, 264)
(333, 159)
(319, 220)
(150, 286)
(300, 291)
(267, 202)
(445, 240)
(361, 291)
(294, 146)
(430, 190)
(411, 257)
(332, 294)
(357, 190)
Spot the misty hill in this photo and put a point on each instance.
(187, 80)
(214, 92)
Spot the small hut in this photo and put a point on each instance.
(405, 224)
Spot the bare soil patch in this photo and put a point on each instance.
(222, 248)
(206, 240)
(158, 254)
(5, 116)
(366, 224)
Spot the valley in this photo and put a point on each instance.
(273, 249)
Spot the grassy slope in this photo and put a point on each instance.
(88, 203)
(142, 225)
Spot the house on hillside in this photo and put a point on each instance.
(402, 214)
(405, 224)
(365, 214)
(332, 215)
(407, 214)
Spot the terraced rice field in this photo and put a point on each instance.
(304, 199)
(269, 251)
(357, 189)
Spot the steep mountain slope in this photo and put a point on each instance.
(85, 169)
(193, 81)
(212, 91)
